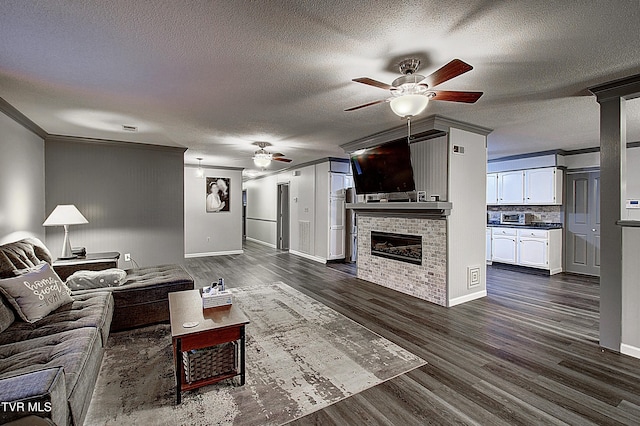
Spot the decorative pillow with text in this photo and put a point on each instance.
(35, 293)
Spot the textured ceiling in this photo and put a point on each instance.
(215, 76)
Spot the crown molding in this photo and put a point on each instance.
(109, 142)
(21, 119)
(425, 128)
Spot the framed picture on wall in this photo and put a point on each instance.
(218, 190)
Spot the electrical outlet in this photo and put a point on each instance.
(127, 257)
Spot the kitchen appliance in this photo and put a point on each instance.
(516, 218)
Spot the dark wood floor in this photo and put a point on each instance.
(526, 354)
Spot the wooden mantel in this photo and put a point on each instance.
(431, 208)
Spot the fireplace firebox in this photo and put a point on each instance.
(405, 248)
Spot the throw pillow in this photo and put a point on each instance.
(6, 315)
(36, 293)
(84, 280)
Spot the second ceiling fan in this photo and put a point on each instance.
(411, 92)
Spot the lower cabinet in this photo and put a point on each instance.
(503, 245)
(533, 248)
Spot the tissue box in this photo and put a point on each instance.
(221, 298)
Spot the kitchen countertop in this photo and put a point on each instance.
(535, 225)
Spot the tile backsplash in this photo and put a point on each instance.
(553, 214)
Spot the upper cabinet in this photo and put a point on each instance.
(543, 186)
(492, 188)
(533, 186)
(510, 187)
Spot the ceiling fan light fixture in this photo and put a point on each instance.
(409, 105)
(261, 159)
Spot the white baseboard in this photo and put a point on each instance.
(308, 256)
(213, 253)
(555, 271)
(264, 243)
(467, 298)
(630, 350)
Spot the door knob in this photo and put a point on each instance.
(593, 230)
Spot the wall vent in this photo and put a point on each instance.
(304, 236)
(129, 128)
(473, 276)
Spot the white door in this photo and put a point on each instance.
(533, 252)
(540, 186)
(503, 248)
(492, 188)
(488, 246)
(511, 187)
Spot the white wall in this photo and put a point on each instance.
(581, 161)
(630, 342)
(308, 205)
(522, 163)
(262, 205)
(22, 193)
(467, 221)
(208, 234)
(430, 166)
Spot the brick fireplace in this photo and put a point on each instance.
(426, 279)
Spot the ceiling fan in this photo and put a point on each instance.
(263, 158)
(411, 92)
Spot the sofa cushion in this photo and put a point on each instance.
(22, 254)
(87, 310)
(36, 390)
(79, 352)
(35, 293)
(83, 280)
(6, 314)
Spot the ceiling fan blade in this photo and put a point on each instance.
(447, 72)
(374, 83)
(284, 160)
(366, 105)
(456, 96)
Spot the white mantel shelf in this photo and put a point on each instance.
(440, 208)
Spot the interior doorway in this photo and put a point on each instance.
(244, 214)
(283, 216)
(582, 236)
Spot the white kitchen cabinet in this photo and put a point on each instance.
(488, 247)
(504, 245)
(492, 188)
(520, 187)
(533, 248)
(543, 186)
(511, 187)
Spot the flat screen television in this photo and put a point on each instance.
(383, 169)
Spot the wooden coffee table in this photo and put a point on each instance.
(215, 326)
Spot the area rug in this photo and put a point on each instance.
(301, 356)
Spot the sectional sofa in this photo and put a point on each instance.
(49, 367)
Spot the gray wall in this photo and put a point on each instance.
(207, 234)
(131, 194)
(21, 182)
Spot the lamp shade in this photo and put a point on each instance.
(65, 214)
(409, 105)
(262, 160)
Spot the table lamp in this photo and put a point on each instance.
(65, 215)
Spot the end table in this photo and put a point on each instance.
(91, 262)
